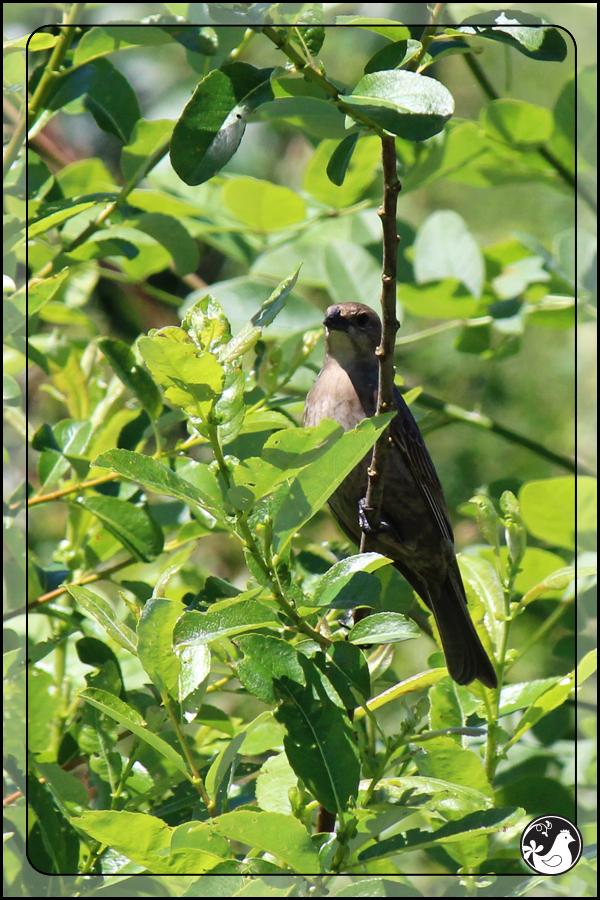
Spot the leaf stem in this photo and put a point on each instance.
(196, 777)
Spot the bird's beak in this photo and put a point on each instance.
(334, 320)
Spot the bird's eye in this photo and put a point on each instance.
(362, 319)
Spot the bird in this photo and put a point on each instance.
(558, 859)
(415, 530)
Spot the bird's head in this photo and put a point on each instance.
(352, 332)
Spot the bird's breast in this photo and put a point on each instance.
(335, 396)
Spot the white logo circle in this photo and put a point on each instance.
(551, 845)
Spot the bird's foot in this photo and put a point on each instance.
(365, 520)
(382, 528)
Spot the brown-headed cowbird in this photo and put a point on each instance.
(415, 527)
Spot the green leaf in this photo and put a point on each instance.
(70, 794)
(470, 827)
(526, 33)
(453, 763)
(100, 41)
(138, 836)
(481, 577)
(112, 101)
(383, 628)
(198, 841)
(284, 455)
(318, 118)
(108, 96)
(174, 237)
(347, 669)
(68, 85)
(261, 205)
(51, 215)
(392, 56)
(452, 800)
(319, 743)
(197, 38)
(558, 581)
(393, 31)
(554, 697)
(229, 410)
(43, 706)
(11, 392)
(14, 316)
(192, 379)
(145, 140)
(155, 643)
(283, 837)
(131, 525)
(161, 201)
(441, 48)
(194, 662)
(267, 662)
(412, 106)
(339, 174)
(63, 445)
(447, 299)
(516, 696)
(271, 308)
(553, 312)
(340, 159)
(222, 764)
(339, 587)
(104, 614)
(274, 782)
(133, 376)
(516, 276)
(313, 486)
(42, 290)
(31, 42)
(207, 324)
(352, 273)
(445, 711)
(517, 122)
(536, 566)
(128, 717)
(445, 248)
(213, 123)
(155, 476)
(549, 512)
(474, 338)
(224, 618)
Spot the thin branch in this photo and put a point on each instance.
(479, 420)
(31, 110)
(73, 489)
(313, 74)
(427, 36)
(385, 352)
(568, 177)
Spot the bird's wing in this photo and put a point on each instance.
(407, 438)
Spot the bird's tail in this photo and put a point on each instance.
(466, 658)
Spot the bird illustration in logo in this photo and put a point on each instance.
(557, 860)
